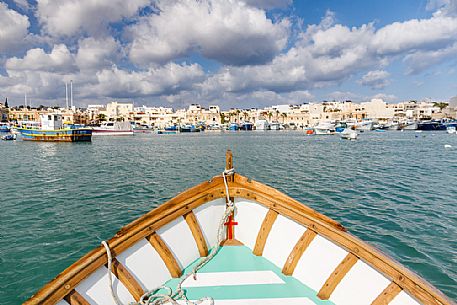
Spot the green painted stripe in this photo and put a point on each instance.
(238, 259)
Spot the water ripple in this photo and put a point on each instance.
(394, 190)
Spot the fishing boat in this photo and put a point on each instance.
(233, 126)
(188, 128)
(53, 130)
(234, 241)
(173, 129)
(246, 126)
(431, 125)
(113, 129)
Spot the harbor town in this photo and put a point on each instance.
(378, 113)
(228, 152)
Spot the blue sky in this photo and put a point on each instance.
(250, 53)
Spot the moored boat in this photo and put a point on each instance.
(246, 126)
(262, 125)
(188, 128)
(275, 126)
(324, 128)
(364, 125)
(349, 134)
(9, 137)
(113, 129)
(233, 126)
(5, 127)
(52, 130)
(234, 241)
(431, 125)
(409, 125)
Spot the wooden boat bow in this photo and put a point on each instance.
(245, 192)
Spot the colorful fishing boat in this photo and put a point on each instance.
(52, 130)
(234, 241)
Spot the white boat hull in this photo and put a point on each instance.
(364, 126)
(105, 132)
(410, 126)
(349, 135)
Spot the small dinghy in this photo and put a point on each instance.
(349, 134)
(9, 137)
(234, 241)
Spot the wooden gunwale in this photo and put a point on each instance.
(242, 187)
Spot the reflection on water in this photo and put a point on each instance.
(392, 189)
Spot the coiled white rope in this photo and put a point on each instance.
(151, 297)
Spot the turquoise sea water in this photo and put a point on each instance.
(395, 190)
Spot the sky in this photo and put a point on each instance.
(250, 53)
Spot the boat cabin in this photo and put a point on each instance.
(51, 121)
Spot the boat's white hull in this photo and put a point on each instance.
(349, 135)
(323, 131)
(320, 259)
(451, 130)
(275, 126)
(262, 125)
(410, 126)
(105, 132)
(364, 126)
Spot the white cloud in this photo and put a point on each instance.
(443, 7)
(70, 17)
(259, 68)
(59, 60)
(167, 79)
(421, 60)
(225, 30)
(24, 4)
(13, 29)
(402, 37)
(343, 96)
(269, 4)
(95, 53)
(377, 79)
(385, 97)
